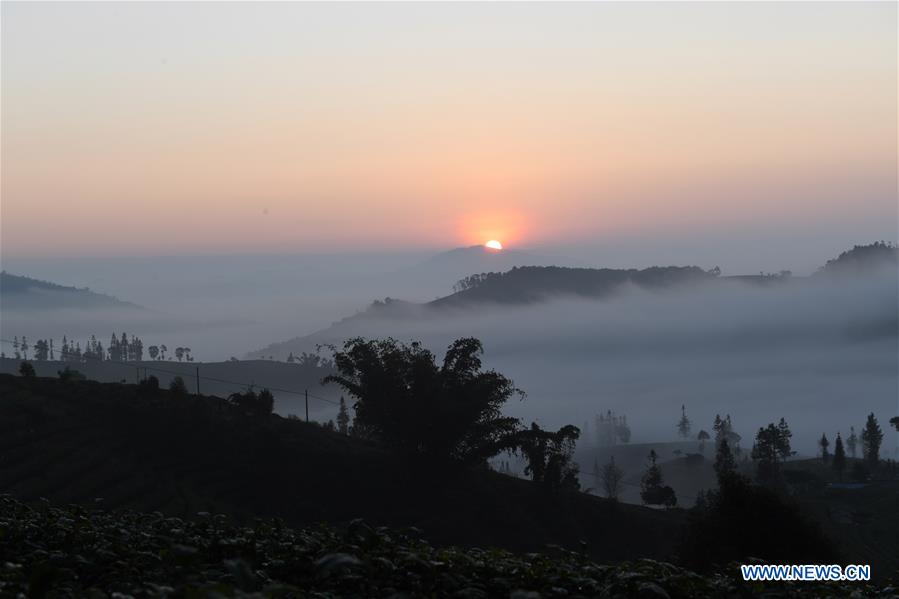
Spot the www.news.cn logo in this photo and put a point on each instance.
(806, 572)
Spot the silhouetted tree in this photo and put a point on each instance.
(872, 437)
(839, 457)
(683, 425)
(27, 370)
(343, 417)
(253, 404)
(895, 422)
(549, 457)
(68, 374)
(406, 401)
(725, 465)
(823, 443)
(153, 351)
(611, 479)
(151, 383)
(852, 442)
(724, 431)
(652, 491)
(23, 345)
(703, 436)
(741, 520)
(765, 453)
(179, 353)
(41, 350)
(178, 387)
(784, 434)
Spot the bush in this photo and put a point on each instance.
(742, 520)
(252, 403)
(27, 370)
(177, 387)
(69, 374)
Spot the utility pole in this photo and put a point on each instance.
(198, 381)
(307, 405)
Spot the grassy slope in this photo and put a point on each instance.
(264, 373)
(73, 442)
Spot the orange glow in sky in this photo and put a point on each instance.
(161, 128)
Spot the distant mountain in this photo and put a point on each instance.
(532, 284)
(18, 292)
(864, 258)
(520, 285)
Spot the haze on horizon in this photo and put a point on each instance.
(763, 135)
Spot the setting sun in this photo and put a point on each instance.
(494, 245)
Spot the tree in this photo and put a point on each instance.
(895, 422)
(725, 465)
(408, 402)
(784, 434)
(683, 425)
(839, 457)
(852, 442)
(27, 370)
(67, 374)
(652, 491)
(179, 353)
(549, 457)
(23, 345)
(872, 437)
(741, 520)
(162, 350)
(177, 387)
(724, 431)
(765, 453)
(343, 417)
(154, 351)
(611, 479)
(41, 350)
(151, 383)
(253, 404)
(114, 349)
(703, 436)
(823, 443)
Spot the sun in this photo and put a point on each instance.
(493, 245)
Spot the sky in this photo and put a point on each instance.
(144, 129)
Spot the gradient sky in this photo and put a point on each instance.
(161, 128)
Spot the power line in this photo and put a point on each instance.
(141, 364)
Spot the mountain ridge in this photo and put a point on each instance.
(18, 291)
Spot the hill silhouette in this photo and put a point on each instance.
(519, 286)
(78, 441)
(19, 292)
(525, 285)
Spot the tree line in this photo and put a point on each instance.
(122, 348)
